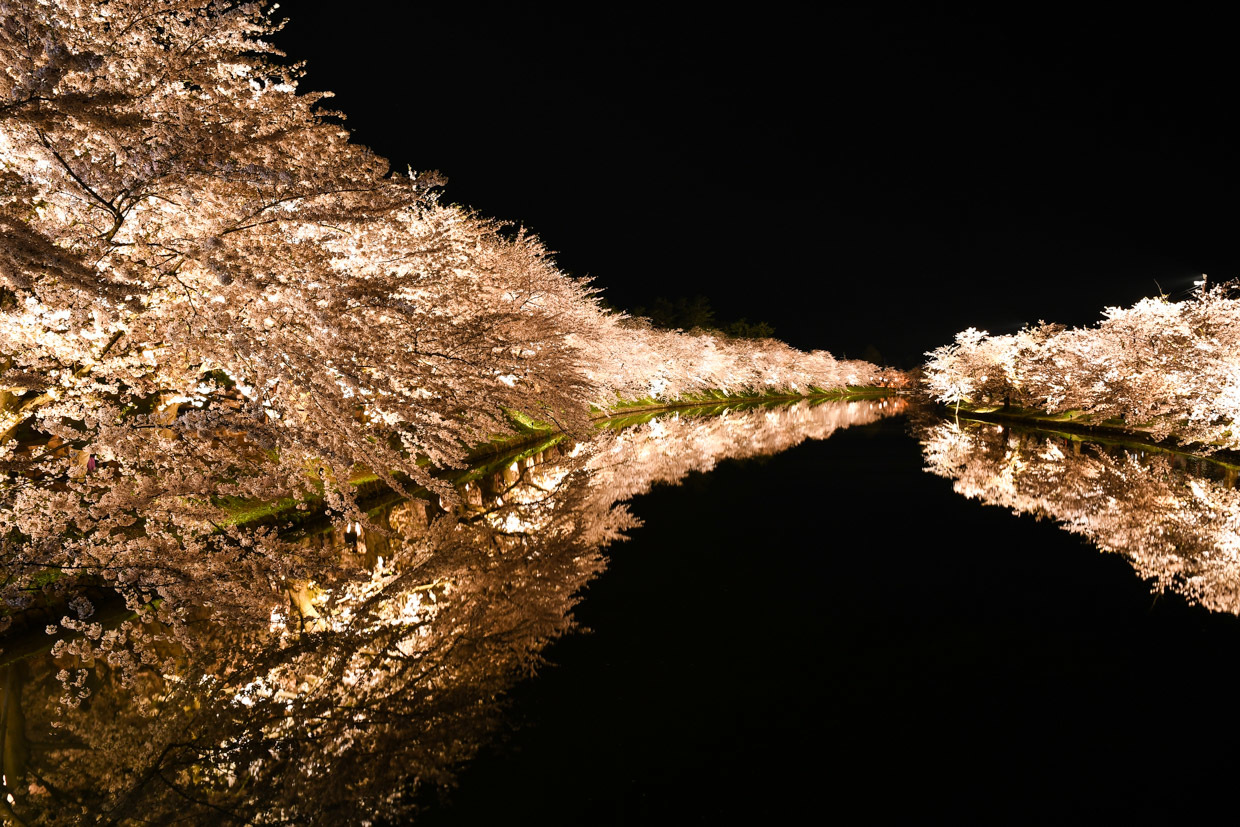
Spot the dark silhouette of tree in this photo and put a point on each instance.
(744, 329)
(696, 313)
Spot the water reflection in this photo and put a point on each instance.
(1175, 518)
(376, 667)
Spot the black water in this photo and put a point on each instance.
(833, 633)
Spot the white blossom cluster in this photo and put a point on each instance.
(1169, 368)
(212, 302)
(210, 296)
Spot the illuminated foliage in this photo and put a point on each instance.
(1170, 368)
(211, 303)
(208, 295)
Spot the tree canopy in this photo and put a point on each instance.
(1168, 367)
(210, 295)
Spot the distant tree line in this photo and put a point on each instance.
(696, 314)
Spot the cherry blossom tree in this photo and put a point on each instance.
(1168, 368)
(210, 295)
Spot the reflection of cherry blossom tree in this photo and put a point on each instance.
(1179, 527)
(385, 669)
(1168, 367)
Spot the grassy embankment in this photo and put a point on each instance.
(529, 438)
(1080, 427)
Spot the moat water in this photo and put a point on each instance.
(842, 610)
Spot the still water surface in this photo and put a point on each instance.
(806, 620)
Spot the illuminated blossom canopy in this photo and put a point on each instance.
(209, 295)
(1168, 368)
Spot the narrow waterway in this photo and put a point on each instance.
(835, 609)
(834, 632)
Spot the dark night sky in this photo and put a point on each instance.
(854, 179)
